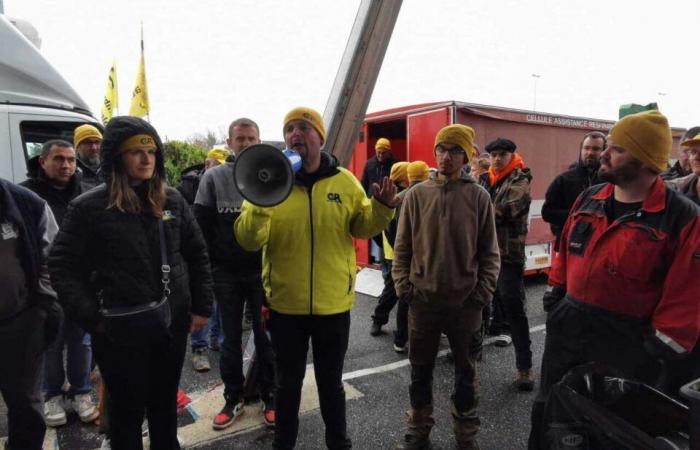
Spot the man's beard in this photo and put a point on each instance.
(93, 161)
(591, 164)
(623, 174)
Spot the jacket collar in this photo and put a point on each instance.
(654, 202)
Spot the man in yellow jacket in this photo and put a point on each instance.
(309, 272)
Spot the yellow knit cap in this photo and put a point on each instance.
(308, 115)
(647, 136)
(399, 172)
(85, 132)
(457, 134)
(693, 141)
(383, 143)
(218, 154)
(417, 171)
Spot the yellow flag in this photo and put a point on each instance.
(111, 100)
(139, 98)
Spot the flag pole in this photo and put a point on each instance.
(143, 58)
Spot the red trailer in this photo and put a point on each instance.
(548, 143)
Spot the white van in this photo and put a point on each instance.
(36, 103)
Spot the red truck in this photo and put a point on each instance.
(548, 143)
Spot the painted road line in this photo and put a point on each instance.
(207, 406)
(405, 362)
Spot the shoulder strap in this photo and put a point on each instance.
(164, 268)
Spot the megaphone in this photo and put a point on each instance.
(264, 175)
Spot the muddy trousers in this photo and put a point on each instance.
(578, 333)
(290, 340)
(425, 328)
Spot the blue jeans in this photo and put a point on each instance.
(211, 332)
(78, 362)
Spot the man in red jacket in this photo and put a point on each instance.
(626, 276)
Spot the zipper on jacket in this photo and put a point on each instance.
(311, 278)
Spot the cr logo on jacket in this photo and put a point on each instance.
(333, 197)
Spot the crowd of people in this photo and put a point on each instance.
(104, 261)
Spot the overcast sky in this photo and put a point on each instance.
(210, 61)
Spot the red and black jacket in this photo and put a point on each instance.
(644, 265)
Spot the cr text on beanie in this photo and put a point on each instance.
(311, 116)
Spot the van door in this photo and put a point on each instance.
(421, 129)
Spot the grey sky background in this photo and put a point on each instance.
(210, 61)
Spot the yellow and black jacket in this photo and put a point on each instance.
(308, 253)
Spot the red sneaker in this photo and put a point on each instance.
(228, 415)
(268, 411)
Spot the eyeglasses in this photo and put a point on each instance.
(693, 152)
(453, 151)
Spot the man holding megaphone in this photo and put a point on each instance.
(309, 272)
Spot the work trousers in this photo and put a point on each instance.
(22, 346)
(509, 302)
(142, 380)
(387, 300)
(231, 294)
(578, 333)
(290, 339)
(426, 324)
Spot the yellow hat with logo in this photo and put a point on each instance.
(307, 115)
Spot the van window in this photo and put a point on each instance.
(34, 134)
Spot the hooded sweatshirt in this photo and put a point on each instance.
(446, 252)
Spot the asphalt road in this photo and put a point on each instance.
(376, 417)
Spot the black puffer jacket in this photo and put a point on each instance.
(57, 199)
(562, 194)
(101, 248)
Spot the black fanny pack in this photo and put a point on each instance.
(135, 325)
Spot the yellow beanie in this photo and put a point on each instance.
(417, 171)
(308, 115)
(218, 154)
(85, 132)
(647, 136)
(457, 134)
(399, 172)
(383, 143)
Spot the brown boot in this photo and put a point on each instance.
(465, 425)
(420, 422)
(525, 380)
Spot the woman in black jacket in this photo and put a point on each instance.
(108, 268)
